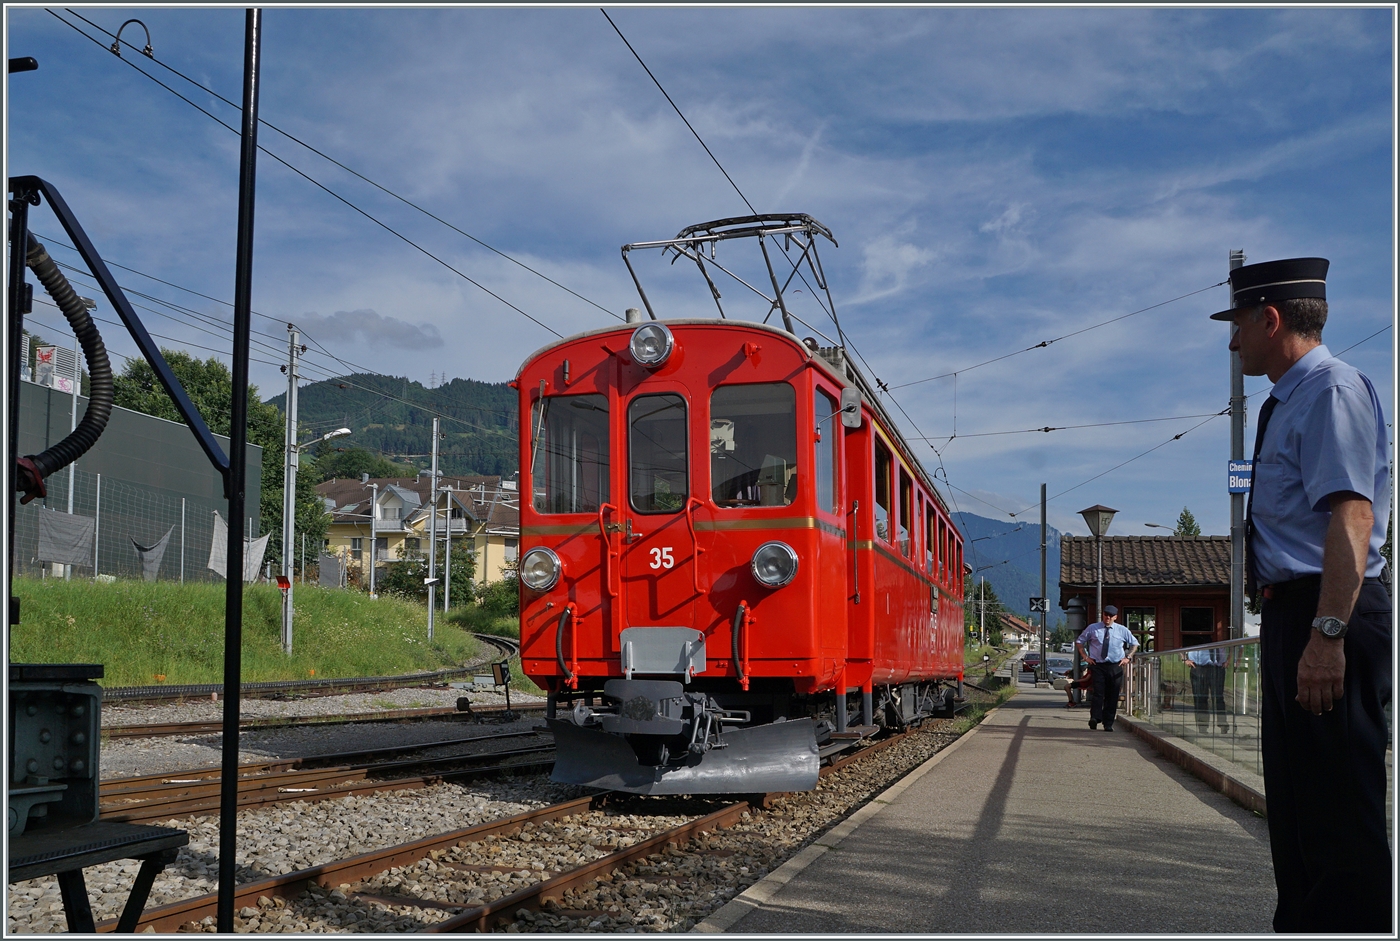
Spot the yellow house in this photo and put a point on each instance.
(394, 513)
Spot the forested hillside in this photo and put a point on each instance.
(394, 416)
(1009, 554)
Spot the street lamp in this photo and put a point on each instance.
(1159, 526)
(1098, 518)
(289, 512)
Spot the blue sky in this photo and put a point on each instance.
(995, 177)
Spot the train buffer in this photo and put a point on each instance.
(1031, 823)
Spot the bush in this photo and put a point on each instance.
(501, 599)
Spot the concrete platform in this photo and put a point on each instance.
(1031, 823)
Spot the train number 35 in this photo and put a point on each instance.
(661, 558)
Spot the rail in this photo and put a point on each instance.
(1208, 695)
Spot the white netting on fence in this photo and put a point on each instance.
(130, 522)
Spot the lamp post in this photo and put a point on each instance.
(1098, 517)
(289, 512)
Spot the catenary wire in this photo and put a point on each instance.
(332, 193)
(353, 172)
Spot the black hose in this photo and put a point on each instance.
(559, 645)
(734, 640)
(99, 407)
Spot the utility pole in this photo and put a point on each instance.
(373, 535)
(982, 608)
(289, 484)
(1044, 598)
(1237, 500)
(447, 555)
(432, 535)
(73, 424)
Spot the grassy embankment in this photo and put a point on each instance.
(141, 631)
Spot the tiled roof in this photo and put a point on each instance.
(1146, 560)
(483, 496)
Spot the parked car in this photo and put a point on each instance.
(1064, 666)
(1030, 661)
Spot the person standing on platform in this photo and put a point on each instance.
(1317, 519)
(1208, 687)
(1108, 647)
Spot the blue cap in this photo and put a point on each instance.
(1284, 280)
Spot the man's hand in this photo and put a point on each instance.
(1321, 670)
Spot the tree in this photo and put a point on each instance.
(980, 595)
(209, 385)
(351, 463)
(1186, 524)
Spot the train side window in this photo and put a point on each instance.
(827, 430)
(753, 445)
(883, 464)
(657, 449)
(930, 540)
(906, 513)
(943, 551)
(569, 453)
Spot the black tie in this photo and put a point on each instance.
(1103, 654)
(1251, 580)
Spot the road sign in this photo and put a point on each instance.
(1040, 604)
(1240, 474)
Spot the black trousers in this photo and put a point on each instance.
(1208, 687)
(1324, 776)
(1108, 685)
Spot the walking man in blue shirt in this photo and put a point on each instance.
(1108, 647)
(1317, 520)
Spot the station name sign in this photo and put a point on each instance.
(1240, 474)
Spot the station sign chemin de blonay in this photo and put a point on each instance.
(1240, 474)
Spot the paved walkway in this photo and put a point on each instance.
(1033, 823)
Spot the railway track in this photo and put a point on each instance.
(505, 648)
(480, 878)
(159, 729)
(168, 796)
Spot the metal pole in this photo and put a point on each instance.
(182, 540)
(432, 535)
(238, 472)
(1044, 598)
(373, 535)
(447, 566)
(303, 558)
(1098, 540)
(982, 607)
(290, 459)
(96, 526)
(1237, 500)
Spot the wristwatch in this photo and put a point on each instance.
(1333, 628)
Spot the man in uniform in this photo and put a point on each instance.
(1317, 520)
(1108, 647)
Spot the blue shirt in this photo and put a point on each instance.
(1216, 655)
(1118, 641)
(1327, 435)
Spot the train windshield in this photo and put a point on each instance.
(753, 445)
(656, 443)
(569, 453)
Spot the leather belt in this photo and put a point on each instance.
(1308, 583)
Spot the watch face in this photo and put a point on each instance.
(1331, 627)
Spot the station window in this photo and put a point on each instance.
(656, 445)
(569, 453)
(1197, 626)
(883, 465)
(356, 547)
(753, 445)
(827, 429)
(1143, 623)
(906, 512)
(412, 547)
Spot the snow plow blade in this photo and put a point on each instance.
(781, 756)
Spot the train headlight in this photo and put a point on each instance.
(652, 344)
(540, 569)
(774, 564)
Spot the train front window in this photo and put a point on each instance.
(657, 449)
(569, 453)
(753, 445)
(827, 429)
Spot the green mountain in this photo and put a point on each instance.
(393, 416)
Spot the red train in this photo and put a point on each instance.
(727, 548)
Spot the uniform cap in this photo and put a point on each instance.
(1110, 609)
(1283, 280)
